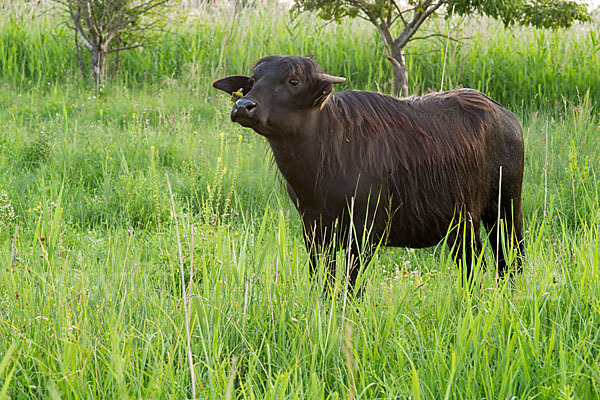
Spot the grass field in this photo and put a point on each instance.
(94, 257)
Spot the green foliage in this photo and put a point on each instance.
(335, 10)
(7, 213)
(538, 13)
(127, 17)
(107, 26)
(546, 66)
(37, 151)
(398, 24)
(554, 13)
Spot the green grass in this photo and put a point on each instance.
(90, 287)
(521, 67)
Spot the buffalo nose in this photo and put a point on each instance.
(246, 105)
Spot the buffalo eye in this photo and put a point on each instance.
(294, 82)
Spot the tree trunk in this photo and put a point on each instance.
(99, 66)
(79, 58)
(117, 63)
(400, 72)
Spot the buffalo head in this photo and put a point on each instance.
(282, 91)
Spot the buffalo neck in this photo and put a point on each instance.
(297, 154)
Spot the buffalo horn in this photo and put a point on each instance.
(332, 79)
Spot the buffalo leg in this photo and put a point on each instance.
(324, 246)
(320, 247)
(355, 266)
(510, 238)
(362, 247)
(465, 244)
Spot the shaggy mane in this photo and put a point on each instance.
(417, 144)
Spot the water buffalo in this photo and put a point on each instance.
(409, 172)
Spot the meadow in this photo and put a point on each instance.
(139, 226)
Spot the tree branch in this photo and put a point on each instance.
(79, 58)
(364, 7)
(117, 49)
(440, 35)
(400, 12)
(141, 28)
(421, 14)
(81, 31)
(137, 11)
(393, 61)
(90, 23)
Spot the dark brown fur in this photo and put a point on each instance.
(416, 168)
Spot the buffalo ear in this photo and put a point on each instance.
(321, 93)
(324, 89)
(233, 84)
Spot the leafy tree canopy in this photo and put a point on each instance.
(537, 13)
(385, 14)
